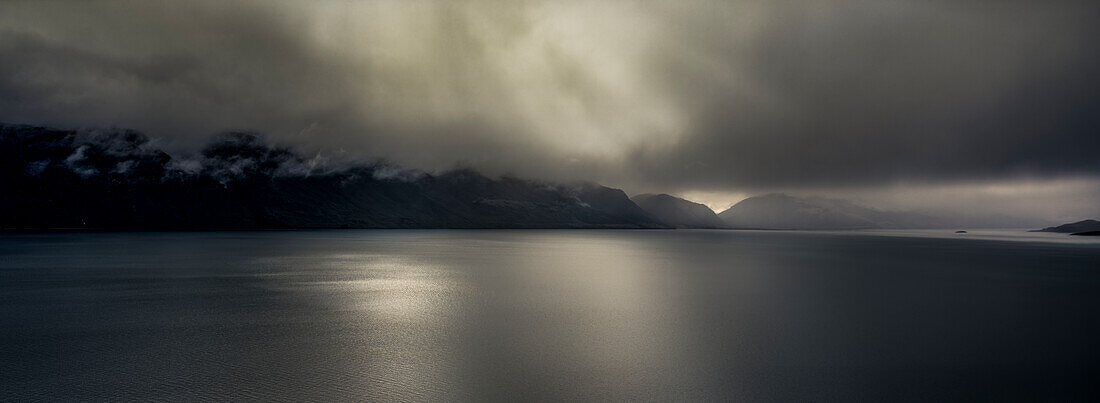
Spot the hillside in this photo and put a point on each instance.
(677, 212)
(780, 211)
(1080, 226)
(111, 179)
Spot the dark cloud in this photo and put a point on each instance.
(177, 71)
(873, 92)
(692, 96)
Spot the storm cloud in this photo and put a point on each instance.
(698, 96)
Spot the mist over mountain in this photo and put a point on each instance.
(781, 211)
(987, 106)
(112, 179)
(678, 212)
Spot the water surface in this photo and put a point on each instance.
(546, 315)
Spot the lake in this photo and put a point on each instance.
(491, 315)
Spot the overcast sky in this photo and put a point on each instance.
(966, 105)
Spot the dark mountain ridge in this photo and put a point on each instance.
(677, 212)
(1080, 226)
(111, 179)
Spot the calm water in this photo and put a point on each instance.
(546, 315)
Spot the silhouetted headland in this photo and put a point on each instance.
(1074, 228)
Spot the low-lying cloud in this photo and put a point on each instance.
(698, 96)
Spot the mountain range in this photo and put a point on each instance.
(781, 211)
(113, 179)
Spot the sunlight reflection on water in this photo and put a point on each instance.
(559, 315)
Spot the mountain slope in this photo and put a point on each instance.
(678, 212)
(112, 180)
(780, 211)
(1080, 226)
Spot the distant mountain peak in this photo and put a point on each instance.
(678, 212)
(783, 211)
